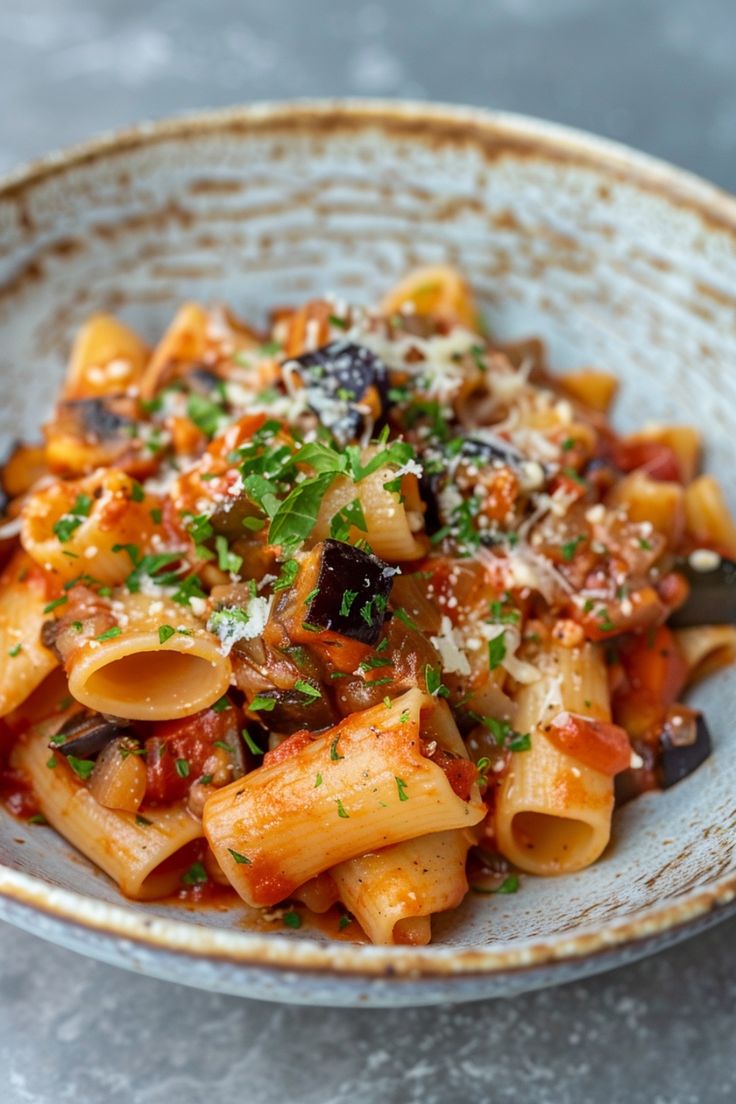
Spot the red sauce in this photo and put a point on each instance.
(16, 793)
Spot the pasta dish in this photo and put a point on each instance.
(355, 615)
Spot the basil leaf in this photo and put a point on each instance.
(294, 520)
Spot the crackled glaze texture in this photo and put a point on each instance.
(612, 258)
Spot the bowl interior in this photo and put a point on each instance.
(614, 261)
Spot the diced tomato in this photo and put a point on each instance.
(641, 609)
(461, 773)
(16, 793)
(600, 745)
(655, 674)
(657, 460)
(178, 750)
(292, 745)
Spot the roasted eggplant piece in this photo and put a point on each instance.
(294, 710)
(85, 736)
(95, 420)
(338, 378)
(712, 597)
(684, 744)
(229, 517)
(440, 466)
(346, 591)
(202, 380)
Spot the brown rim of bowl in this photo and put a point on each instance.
(496, 135)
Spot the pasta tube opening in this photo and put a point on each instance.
(550, 841)
(136, 677)
(136, 671)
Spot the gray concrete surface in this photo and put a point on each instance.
(658, 74)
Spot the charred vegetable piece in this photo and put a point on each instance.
(684, 744)
(490, 448)
(712, 598)
(350, 591)
(338, 377)
(296, 709)
(202, 380)
(228, 519)
(94, 419)
(86, 736)
(482, 452)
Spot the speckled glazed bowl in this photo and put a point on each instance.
(613, 258)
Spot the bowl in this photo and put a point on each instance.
(613, 258)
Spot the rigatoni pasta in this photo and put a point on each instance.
(352, 616)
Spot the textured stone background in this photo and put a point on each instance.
(658, 74)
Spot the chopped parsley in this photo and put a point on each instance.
(165, 632)
(334, 753)
(348, 597)
(241, 860)
(289, 572)
(496, 651)
(292, 919)
(110, 634)
(262, 704)
(82, 767)
(56, 603)
(504, 734)
(195, 875)
(207, 415)
(250, 742)
(143, 822)
(182, 768)
(311, 596)
(401, 787)
(227, 560)
(341, 811)
(433, 680)
(15, 650)
(510, 884)
(349, 516)
(569, 548)
(221, 705)
(307, 689)
(69, 522)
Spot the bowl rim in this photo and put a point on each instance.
(495, 133)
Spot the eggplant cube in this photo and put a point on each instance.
(85, 736)
(712, 597)
(684, 744)
(338, 377)
(351, 593)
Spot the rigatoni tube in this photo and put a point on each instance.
(129, 848)
(553, 813)
(360, 786)
(157, 663)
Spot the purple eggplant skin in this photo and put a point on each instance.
(684, 744)
(87, 735)
(712, 597)
(96, 419)
(351, 595)
(336, 378)
(474, 449)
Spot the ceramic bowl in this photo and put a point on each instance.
(615, 259)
